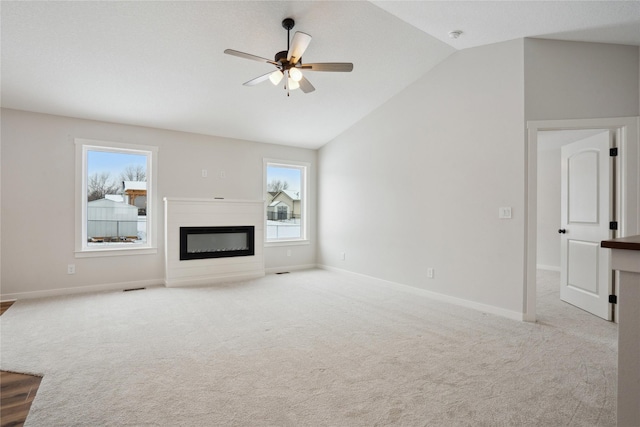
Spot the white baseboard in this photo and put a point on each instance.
(273, 270)
(82, 289)
(514, 315)
(547, 267)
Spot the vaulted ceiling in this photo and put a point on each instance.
(161, 64)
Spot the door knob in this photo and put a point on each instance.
(562, 231)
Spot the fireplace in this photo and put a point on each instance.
(216, 242)
(232, 258)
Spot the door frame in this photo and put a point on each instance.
(627, 188)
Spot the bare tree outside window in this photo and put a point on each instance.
(99, 185)
(277, 185)
(133, 173)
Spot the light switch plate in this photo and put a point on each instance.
(504, 212)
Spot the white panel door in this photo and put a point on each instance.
(585, 278)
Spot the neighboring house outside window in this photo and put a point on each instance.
(135, 194)
(285, 190)
(283, 202)
(115, 184)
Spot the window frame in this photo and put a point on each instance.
(304, 168)
(82, 249)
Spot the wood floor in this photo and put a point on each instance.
(4, 306)
(17, 391)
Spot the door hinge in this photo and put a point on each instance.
(613, 299)
(613, 152)
(613, 225)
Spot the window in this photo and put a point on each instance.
(115, 200)
(285, 194)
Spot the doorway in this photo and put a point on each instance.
(625, 133)
(576, 182)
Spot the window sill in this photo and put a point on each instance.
(276, 243)
(94, 253)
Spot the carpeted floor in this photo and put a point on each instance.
(311, 348)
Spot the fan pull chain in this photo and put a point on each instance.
(286, 76)
(286, 80)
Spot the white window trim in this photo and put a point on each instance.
(82, 250)
(304, 203)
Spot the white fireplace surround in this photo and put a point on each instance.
(182, 212)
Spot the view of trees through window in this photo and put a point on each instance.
(284, 202)
(116, 204)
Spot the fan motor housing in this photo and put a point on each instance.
(281, 57)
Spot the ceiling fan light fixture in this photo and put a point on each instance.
(295, 74)
(288, 63)
(293, 85)
(276, 77)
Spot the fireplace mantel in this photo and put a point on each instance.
(184, 212)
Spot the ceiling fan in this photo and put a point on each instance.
(289, 64)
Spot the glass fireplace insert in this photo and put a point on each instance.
(216, 242)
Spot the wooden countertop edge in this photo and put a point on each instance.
(631, 243)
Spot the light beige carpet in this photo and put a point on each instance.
(312, 348)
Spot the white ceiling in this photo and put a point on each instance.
(486, 22)
(161, 64)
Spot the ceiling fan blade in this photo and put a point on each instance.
(329, 66)
(259, 79)
(299, 44)
(248, 56)
(305, 85)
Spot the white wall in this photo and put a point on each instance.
(549, 208)
(38, 176)
(0, 213)
(576, 80)
(418, 183)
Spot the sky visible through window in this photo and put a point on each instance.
(113, 163)
(284, 174)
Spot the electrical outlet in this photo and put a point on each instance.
(71, 269)
(430, 273)
(343, 256)
(288, 252)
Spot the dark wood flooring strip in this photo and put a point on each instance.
(17, 391)
(4, 306)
